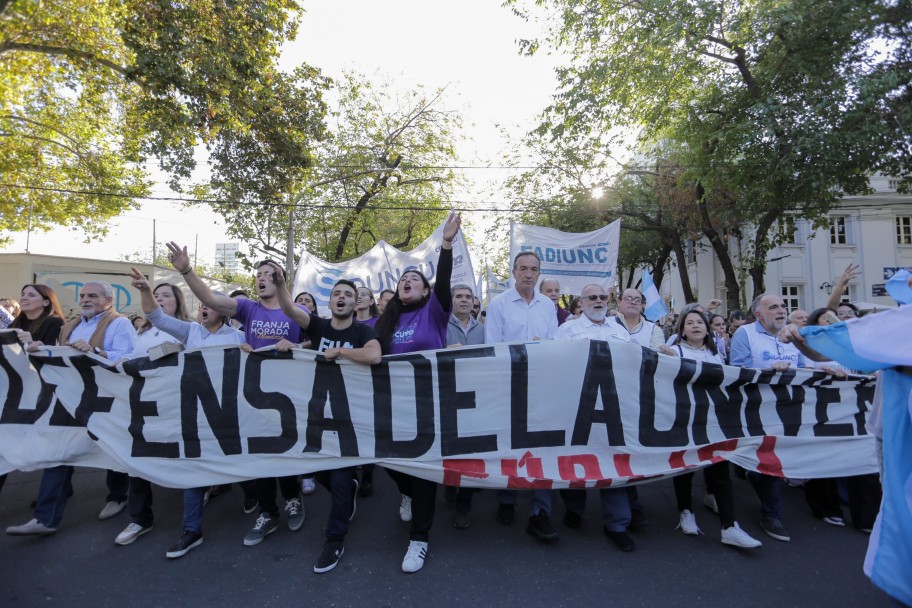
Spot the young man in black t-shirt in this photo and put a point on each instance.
(337, 338)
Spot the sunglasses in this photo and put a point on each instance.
(602, 297)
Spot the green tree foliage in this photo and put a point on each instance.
(775, 107)
(89, 89)
(382, 171)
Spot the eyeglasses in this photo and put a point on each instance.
(632, 300)
(602, 297)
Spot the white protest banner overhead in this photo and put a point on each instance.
(574, 259)
(537, 415)
(381, 267)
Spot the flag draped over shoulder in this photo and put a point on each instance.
(874, 342)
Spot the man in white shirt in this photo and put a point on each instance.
(616, 511)
(517, 315)
(630, 318)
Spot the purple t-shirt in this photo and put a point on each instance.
(371, 322)
(267, 326)
(422, 329)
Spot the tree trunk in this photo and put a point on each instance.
(720, 247)
(761, 248)
(658, 267)
(682, 269)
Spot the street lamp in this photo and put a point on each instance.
(826, 285)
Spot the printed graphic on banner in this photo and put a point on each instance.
(553, 414)
(574, 259)
(381, 267)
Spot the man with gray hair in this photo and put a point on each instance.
(99, 329)
(551, 288)
(757, 346)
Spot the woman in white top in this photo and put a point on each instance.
(695, 341)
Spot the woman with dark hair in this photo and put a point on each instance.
(365, 307)
(717, 328)
(736, 319)
(696, 341)
(171, 301)
(37, 322)
(846, 311)
(306, 299)
(416, 319)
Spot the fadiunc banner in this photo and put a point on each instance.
(534, 415)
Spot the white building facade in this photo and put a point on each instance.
(873, 231)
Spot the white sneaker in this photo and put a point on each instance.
(414, 557)
(308, 486)
(736, 537)
(405, 511)
(131, 533)
(688, 523)
(710, 501)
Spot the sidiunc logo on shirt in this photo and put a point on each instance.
(771, 356)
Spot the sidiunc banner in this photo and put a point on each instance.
(534, 415)
(574, 259)
(381, 267)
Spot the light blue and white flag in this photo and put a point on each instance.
(655, 307)
(882, 341)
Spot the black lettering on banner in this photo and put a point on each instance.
(598, 380)
(789, 400)
(864, 397)
(677, 435)
(706, 388)
(328, 382)
(386, 446)
(90, 401)
(753, 380)
(520, 435)
(823, 428)
(141, 409)
(262, 400)
(196, 388)
(11, 412)
(451, 401)
(60, 417)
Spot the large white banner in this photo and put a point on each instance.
(381, 267)
(536, 415)
(574, 259)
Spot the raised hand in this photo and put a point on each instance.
(852, 271)
(138, 280)
(178, 257)
(451, 227)
(278, 278)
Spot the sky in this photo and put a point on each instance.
(468, 46)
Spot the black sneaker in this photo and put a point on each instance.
(332, 553)
(774, 529)
(540, 527)
(250, 505)
(621, 539)
(462, 520)
(506, 513)
(265, 525)
(573, 520)
(188, 541)
(638, 521)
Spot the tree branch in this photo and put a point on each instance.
(46, 49)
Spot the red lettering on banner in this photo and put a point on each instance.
(533, 466)
(676, 460)
(622, 464)
(566, 466)
(454, 470)
(769, 462)
(707, 452)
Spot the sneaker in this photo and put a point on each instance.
(688, 523)
(573, 520)
(354, 499)
(188, 541)
(506, 513)
(295, 511)
(206, 496)
(462, 520)
(329, 557)
(111, 509)
(540, 527)
(710, 501)
(131, 533)
(405, 513)
(736, 537)
(308, 486)
(265, 525)
(250, 505)
(773, 528)
(834, 520)
(34, 527)
(621, 539)
(638, 521)
(794, 483)
(414, 557)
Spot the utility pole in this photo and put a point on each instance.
(154, 252)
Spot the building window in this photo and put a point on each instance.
(839, 234)
(690, 251)
(791, 230)
(792, 296)
(904, 229)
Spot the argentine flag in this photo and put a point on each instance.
(884, 341)
(655, 308)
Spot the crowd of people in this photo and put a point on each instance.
(420, 316)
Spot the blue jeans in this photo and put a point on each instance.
(769, 491)
(341, 486)
(53, 493)
(193, 509)
(540, 503)
(615, 506)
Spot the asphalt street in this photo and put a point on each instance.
(487, 564)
